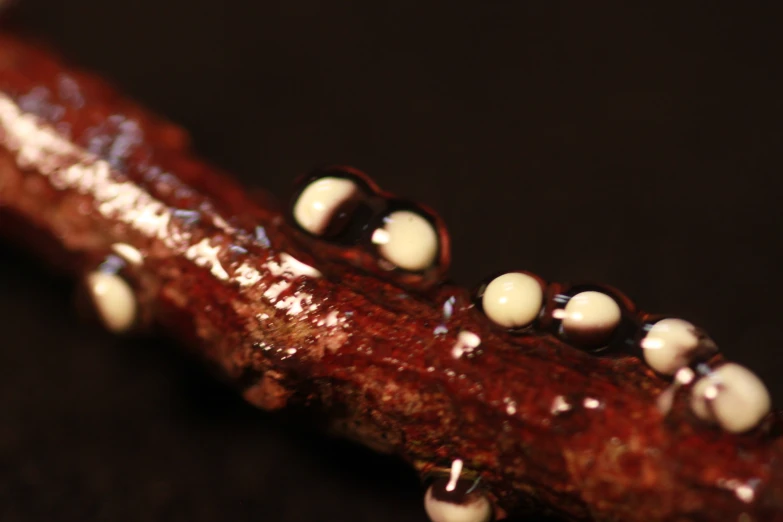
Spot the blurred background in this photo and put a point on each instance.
(635, 145)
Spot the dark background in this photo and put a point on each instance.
(633, 145)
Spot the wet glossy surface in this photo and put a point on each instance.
(205, 256)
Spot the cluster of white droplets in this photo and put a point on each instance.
(730, 395)
(404, 238)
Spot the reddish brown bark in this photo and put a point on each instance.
(546, 426)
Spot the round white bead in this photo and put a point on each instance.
(669, 344)
(513, 300)
(477, 509)
(590, 317)
(407, 240)
(114, 300)
(316, 205)
(732, 396)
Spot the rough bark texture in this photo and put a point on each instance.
(547, 427)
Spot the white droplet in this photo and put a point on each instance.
(745, 493)
(732, 396)
(559, 405)
(513, 300)
(684, 376)
(669, 345)
(590, 317)
(477, 509)
(407, 240)
(591, 403)
(466, 342)
(456, 471)
(113, 299)
(319, 201)
(128, 252)
(293, 266)
(665, 400)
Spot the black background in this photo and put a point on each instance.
(632, 145)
